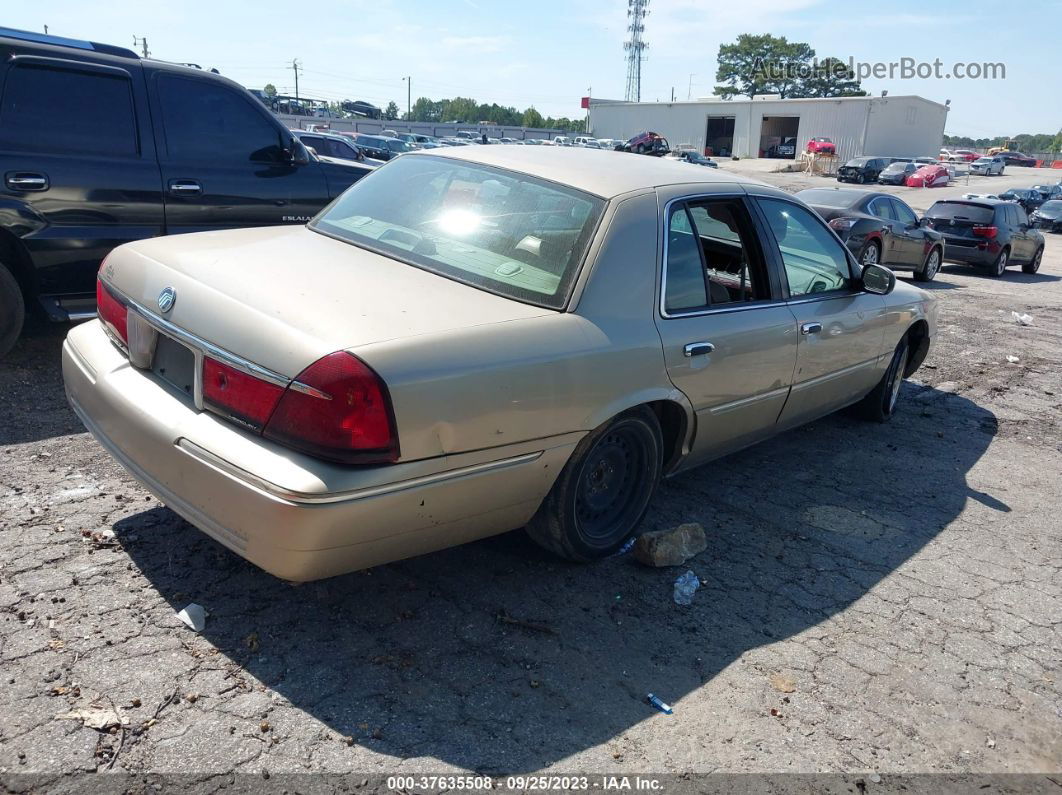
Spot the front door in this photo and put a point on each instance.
(729, 342)
(841, 327)
(223, 161)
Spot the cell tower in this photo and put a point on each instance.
(637, 11)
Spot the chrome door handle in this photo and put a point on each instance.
(698, 349)
(26, 181)
(185, 187)
(810, 328)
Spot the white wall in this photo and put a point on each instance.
(896, 126)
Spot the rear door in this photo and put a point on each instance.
(78, 165)
(729, 340)
(910, 233)
(1023, 244)
(223, 159)
(841, 327)
(895, 252)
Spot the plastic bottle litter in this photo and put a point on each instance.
(685, 586)
(1022, 319)
(1013, 359)
(660, 705)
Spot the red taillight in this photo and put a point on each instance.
(111, 311)
(985, 231)
(245, 398)
(344, 415)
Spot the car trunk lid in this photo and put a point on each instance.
(283, 297)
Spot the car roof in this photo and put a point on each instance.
(597, 171)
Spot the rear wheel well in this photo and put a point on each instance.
(918, 345)
(673, 426)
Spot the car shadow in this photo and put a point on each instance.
(1011, 274)
(496, 657)
(33, 403)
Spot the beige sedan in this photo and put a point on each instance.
(476, 339)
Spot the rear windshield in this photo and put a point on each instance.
(961, 211)
(1053, 206)
(497, 230)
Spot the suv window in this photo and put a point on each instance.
(73, 111)
(815, 261)
(207, 121)
(712, 257)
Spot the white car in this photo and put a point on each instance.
(987, 166)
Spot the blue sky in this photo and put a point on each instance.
(529, 52)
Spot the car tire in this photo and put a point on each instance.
(997, 268)
(12, 311)
(880, 404)
(1033, 265)
(930, 268)
(870, 254)
(604, 491)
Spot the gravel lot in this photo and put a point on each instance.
(878, 600)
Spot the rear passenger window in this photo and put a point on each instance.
(713, 258)
(206, 122)
(67, 111)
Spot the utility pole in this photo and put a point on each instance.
(672, 93)
(589, 94)
(142, 41)
(409, 97)
(296, 66)
(689, 90)
(45, 30)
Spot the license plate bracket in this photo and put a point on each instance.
(174, 364)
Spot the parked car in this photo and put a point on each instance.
(879, 229)
(821, 145)
(925, 161)
(342, 405)
(964, 155)
(382, 147)
(988, 166)
(1017, 159)
(1048, 216)
(692, 156)
(389, 134)
(897, 173)
(207, 155)
(647, 143)
(862, 169)
(329, 145)
(1048, 192)
(1028, 199)
(786, 148)
(562, 140)
(988, 233)
(928, 176)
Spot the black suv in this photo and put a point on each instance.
(99, 147)
(862, 169)
(987, 232)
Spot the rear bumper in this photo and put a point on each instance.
(961, 249)
(294, 516)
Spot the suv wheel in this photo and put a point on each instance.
(930, 268)
(1000, 264)
(603, 492)
(1033, 265)
(12, 310)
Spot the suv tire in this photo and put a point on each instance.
(1033, 265)
(12, 310)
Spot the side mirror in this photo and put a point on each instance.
(923, 222)
(298, 154)
(878, 280)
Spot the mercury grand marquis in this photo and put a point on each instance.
(477, 339)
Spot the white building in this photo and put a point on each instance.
(904, 126)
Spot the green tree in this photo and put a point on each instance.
(829, 77)
(391, 111)
(270, 90)
(532, 118)
(761, 64)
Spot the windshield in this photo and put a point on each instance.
(1052, 207)
(493, 229)
(961, 211)
(895, 167)
(858, 161)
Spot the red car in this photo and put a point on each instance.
(647, 143)
(823, 146)
(928, 177)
